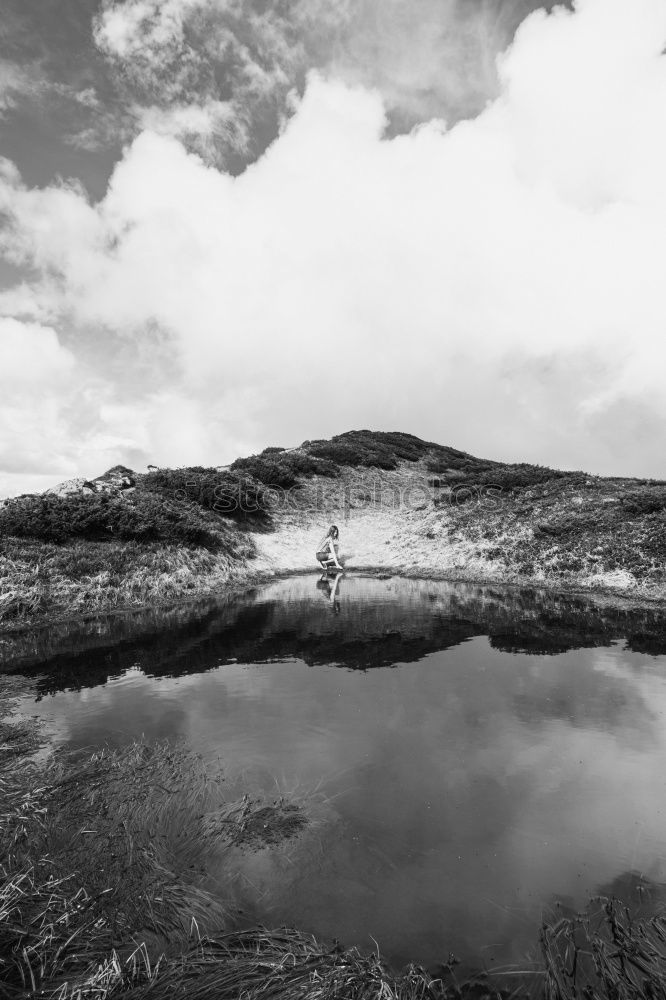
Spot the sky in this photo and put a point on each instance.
(229, 224)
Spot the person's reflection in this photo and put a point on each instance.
(330, 590)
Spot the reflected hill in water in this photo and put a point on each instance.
(357, 622)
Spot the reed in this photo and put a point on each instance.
(282, 965)
(605, 954)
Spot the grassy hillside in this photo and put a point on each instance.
(403, 504)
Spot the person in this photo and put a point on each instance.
(327, 553)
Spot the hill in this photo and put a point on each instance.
(402, 504)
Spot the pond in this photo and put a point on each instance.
(479, 757)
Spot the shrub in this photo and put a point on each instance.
(567, 525)
(226, 494)
(519, 476)
(283, 469)
(385, 449)
(654, 545)
(644, 500)
(379, 449)
(143, 517)
(443, 460)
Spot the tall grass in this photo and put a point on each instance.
(282, 965)
(42, 581)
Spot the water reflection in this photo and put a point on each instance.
(376, 622)
(465, 790)
(328, 585)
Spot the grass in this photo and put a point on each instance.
(596, 532)
(606, 955)
(284, 965)
(42, 581)
(16, 741)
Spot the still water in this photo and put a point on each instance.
(478, 756)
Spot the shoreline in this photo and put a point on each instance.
(239, 584)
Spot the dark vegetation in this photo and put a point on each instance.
(364, 449)
(188, 507)
(103, 517)
(511, 478)
(225, 494)
(383, 450)
(277, 467)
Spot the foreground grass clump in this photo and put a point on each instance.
(103, 891)
(607, 954)
(44, 581)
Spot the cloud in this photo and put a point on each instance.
(16, 82)
(496, 285)
(35, 373)
(240, 60)
(24, 302)
(427, 58)
(204, 127)
(212, 72)
(30, 353)
(28, 83)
